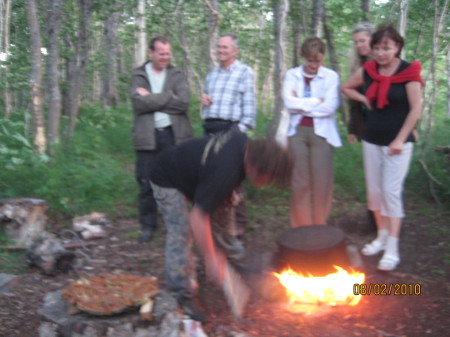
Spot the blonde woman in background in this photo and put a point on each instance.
(362, 52)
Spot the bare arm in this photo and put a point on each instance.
(413, 91)
(350, 88)
(201, 228)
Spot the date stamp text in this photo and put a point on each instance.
(387, 289)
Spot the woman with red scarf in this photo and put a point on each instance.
(392, 95)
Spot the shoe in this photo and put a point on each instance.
(145, 236)
(373, 248)
(192, 308)
(388, 262)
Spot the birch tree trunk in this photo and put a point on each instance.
(448, 81)
(110, 92)
(54, 94)
(36, 77)
(213, 31)
(281, 8)
(5, 12)
(318, 11)
(140, 48)
(403, 18)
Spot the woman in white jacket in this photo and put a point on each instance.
(311, 95)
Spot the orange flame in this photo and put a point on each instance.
(306, 293)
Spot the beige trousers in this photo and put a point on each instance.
(312, 178)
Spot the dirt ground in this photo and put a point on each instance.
(425, 261)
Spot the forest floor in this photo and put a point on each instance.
(425, 252)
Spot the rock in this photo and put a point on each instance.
(6, 282)
(90, 226)
(49, 255)
(47, 329)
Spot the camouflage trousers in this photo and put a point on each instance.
(180, 262)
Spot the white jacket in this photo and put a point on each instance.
(324, 85)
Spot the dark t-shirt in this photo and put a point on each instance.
(206, 170)
(381, 126)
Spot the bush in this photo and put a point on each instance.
(90, 172)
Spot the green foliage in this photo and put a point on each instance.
(91, 172)
(349, 172)
(10, 262)
(429, 175)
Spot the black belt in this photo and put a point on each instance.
(219, 120)
(164, 129)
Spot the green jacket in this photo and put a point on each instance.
(143, 133)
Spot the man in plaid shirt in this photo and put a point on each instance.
(229, 101)
(229, 96)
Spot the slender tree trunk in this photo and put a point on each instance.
(192, 75)
(295, 12)
(4, 47)
(281, 8)
(318, 10)
(54, 94)
(2, 24)
(432, 87)
(448, 81)
(140, 49)
(330, 45)
(212, 8)
(36, 77)
(365, 7)
(110, 93)
(77, 66)
(403, 18)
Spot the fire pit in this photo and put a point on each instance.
(313, 267)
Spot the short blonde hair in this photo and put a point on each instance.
(312, 47)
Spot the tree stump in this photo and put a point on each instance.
(23, 219)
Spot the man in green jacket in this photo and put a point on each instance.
(160, 98)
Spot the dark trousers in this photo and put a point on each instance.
(144, 163)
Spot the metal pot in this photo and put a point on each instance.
(312, 249)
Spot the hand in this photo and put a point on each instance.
(206, 100)
(396, 147)
(367, 103)
(142, 91)
(294, 93)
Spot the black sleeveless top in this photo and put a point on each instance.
(381, 126)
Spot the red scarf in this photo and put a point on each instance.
(381, 84)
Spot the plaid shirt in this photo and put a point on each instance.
(233, 96)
